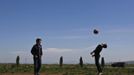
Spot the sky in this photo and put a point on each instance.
(66, 28)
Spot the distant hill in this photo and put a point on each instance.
(129, 62)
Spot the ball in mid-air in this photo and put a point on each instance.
(95, 31)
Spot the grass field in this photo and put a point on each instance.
(71, 69)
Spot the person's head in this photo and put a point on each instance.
(38, 41)
(104, 45)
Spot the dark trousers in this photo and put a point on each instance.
(37, 65)
(97, 57)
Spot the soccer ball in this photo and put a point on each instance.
(95, 31)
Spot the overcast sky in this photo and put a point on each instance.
(65, 27)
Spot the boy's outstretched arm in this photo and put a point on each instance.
(92, 53)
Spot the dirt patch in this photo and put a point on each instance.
(26, 74)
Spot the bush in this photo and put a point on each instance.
(81, 62)
(17, 60)
(61, 61)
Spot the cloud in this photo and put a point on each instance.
(19, 52)
(57, 50)
(70, 56)
(62, 50)
(78, 30)
(75, 33)
(25, 56)
(70, 37)
(52, 55)
(123, 30)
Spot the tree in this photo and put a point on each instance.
(81, 62)
(17, 60)
(61, 61)
(102, 62)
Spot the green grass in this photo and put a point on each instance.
(70, 69)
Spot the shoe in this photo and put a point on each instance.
(100, 73)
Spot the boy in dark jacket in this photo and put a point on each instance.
(96, 54)
(37, 55)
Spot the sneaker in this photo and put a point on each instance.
(100, 73)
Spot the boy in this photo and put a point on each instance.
(96, 54)
(37, 55)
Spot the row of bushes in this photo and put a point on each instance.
(61, 61)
